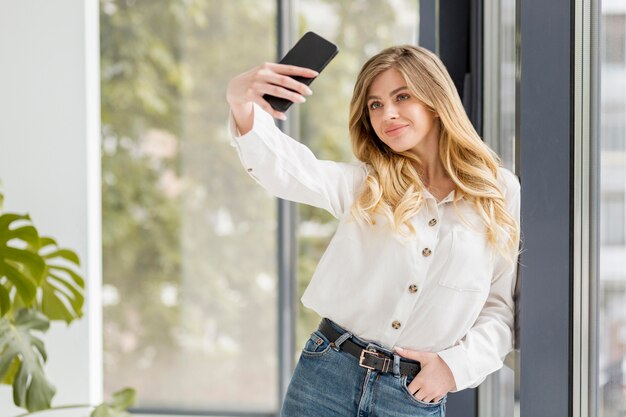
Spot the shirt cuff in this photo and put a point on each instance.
(262, 121)
(253, 146)
(460, 364)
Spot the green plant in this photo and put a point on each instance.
(40, 282)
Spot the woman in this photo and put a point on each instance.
(416, 286)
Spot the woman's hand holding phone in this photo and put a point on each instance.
(268, 78)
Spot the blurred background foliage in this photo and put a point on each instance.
(189, 239)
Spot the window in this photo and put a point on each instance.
(613, 219)
(189, 244)
(613, 38)
(613, 134)
(497, 395)
(612, 285)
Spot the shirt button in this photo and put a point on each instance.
(426, 252)
(249, 169)
(412, 288)
(432, 222)
(396, 324)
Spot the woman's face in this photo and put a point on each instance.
(399, 119)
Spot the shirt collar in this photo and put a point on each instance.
(447, 199)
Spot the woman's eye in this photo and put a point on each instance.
(374, 105)
(403, 97)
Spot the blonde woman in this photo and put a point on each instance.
(416, 286)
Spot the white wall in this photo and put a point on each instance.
(50, 163)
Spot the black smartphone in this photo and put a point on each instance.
(311, 51)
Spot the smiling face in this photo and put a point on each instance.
(399, 119)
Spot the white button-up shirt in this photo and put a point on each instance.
(445, 290)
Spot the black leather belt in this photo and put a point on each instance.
(369, 359)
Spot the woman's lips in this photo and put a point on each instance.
(396, 130)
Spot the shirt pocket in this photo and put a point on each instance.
(467, 261)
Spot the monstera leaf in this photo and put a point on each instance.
(39, 282)
(62, 288)
(20, 267)
(23, 353)
(42, 273)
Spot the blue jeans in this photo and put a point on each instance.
(329, 382)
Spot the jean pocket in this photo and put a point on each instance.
(317, 345)
(404, 384)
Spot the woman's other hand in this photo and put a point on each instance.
(434, 380)
(268, 78)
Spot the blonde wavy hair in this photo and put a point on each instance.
(393, 186)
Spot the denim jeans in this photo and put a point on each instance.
(329, 382)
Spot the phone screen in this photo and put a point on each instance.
(311, 51)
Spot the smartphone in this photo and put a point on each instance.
(311, 51)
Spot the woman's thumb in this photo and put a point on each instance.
(409, 354)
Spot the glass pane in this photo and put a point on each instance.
(189, 242)
(507, 64)
(497, 395)
(359, 32)
(612, 297)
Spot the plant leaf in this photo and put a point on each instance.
(121, 401)
(74, 275)
(74, 297)
(53, 307)
(101, 411)
(21, 266)
(104, 410)
(124, 398)
(29, 262)
(25, 286)
(64, 253)
(9, 373)
(7, 219)
(31, 389)
(62, 295)
(5, 300)
(46, 241)
(17, 304)
(27, 234)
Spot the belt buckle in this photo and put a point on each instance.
(378, 355)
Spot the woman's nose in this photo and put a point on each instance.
(390, 112)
